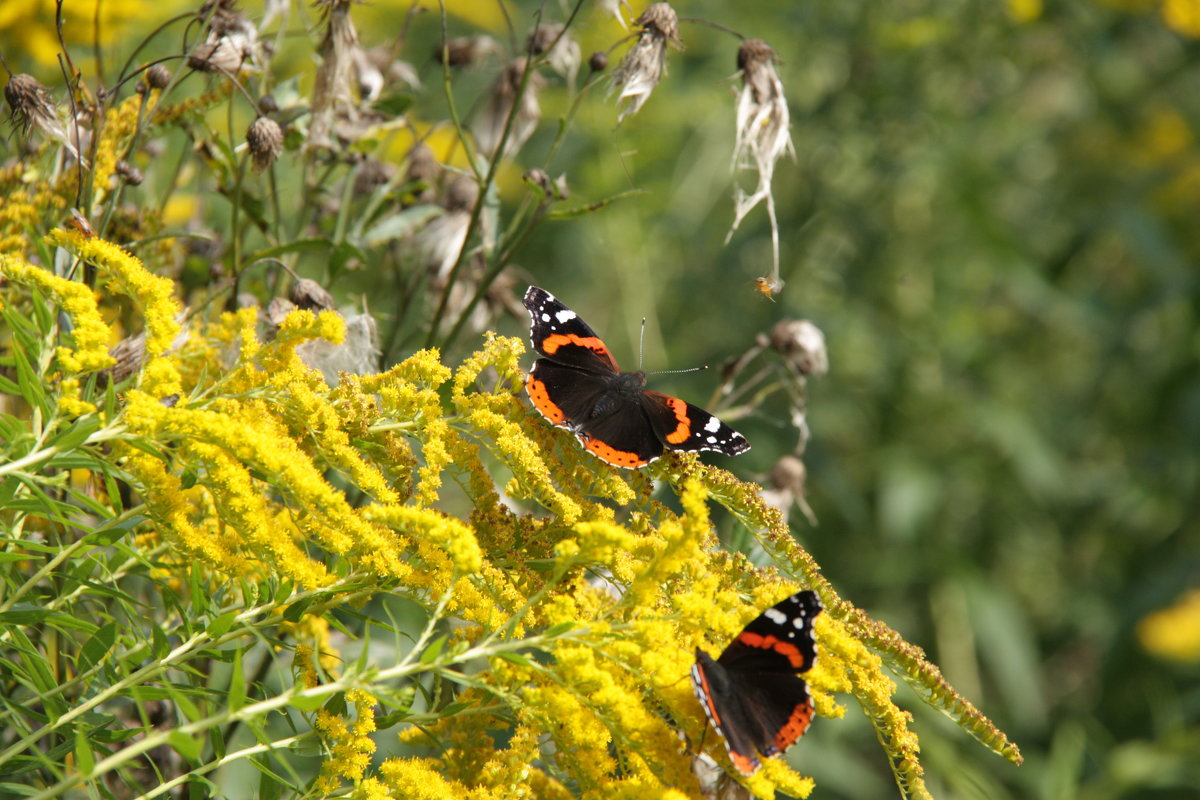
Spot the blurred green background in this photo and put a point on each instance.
(994, 217)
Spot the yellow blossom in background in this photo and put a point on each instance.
(1182, 16)
(1024, 10)
(1174, 632)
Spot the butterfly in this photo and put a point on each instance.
(577, 385)
(751, 693)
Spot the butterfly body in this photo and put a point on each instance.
(576, 384)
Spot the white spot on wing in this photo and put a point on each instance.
(775, 615)
(545, 317)
(713, 425)
(565, 315)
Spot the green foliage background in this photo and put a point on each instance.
(994, 224)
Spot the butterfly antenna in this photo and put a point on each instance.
(677, 371)
(641, 344)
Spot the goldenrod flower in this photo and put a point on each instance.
(89, 332)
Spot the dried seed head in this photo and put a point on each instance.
(646, 62)
(265, 139)
(310, 295)
(789, 473)
(538, 177)
(29, 103)
(267, 104)
(130, 354)
(762, 122)
(490, 128)
(140, 88)
(461, 194)
(598, 62)
(661, 18)
(372, 174)
(802, 344)
(463, 51)
(562, 51)
(158, 76)
(129, 173)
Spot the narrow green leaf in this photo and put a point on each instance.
(237, 683)
(221, 625)
(397, 225)
(190, 747)
(84, 758)
(434, 650)
(97, 647)
(515, 658)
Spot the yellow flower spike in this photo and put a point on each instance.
(120, 124)
(456, 538)
(422, 369)
(254, 439)
(167, 502)
(437, 457)
(419, 779)
(91, 336)
(155, 297)
(350, 747)
(69, 402)
(501, 352)
(246, 508)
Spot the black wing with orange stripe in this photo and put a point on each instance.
(751, 692)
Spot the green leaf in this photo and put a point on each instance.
(298, 246)
(221, 625)
(306, 703)
(97, 647)
(237, 683)
(560, 628)
(84, 758)
(434, 650)
(190, 747)
(515, 658)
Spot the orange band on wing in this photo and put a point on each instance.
(795, 727)
(618, 458)
(778, 645)
(541, 401)
(684, 429)
(554, 341)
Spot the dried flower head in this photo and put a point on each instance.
(332, 92)
(129, 173)
(646, 62)
(158, 76)
(310, 295)
(762, 135)
(786, 487)
(802, 344)
(463, 51)
(562, 52)
(30, 106)
(506, 93)
(264, 137)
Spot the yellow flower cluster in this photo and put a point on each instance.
(155, 297)
(90, 334)
(350, 746)
(581, 597)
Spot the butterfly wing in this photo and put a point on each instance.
(558, 333)
(753, 689)
(683, 426)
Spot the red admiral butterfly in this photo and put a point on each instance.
(751, 693)
(577, 385)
